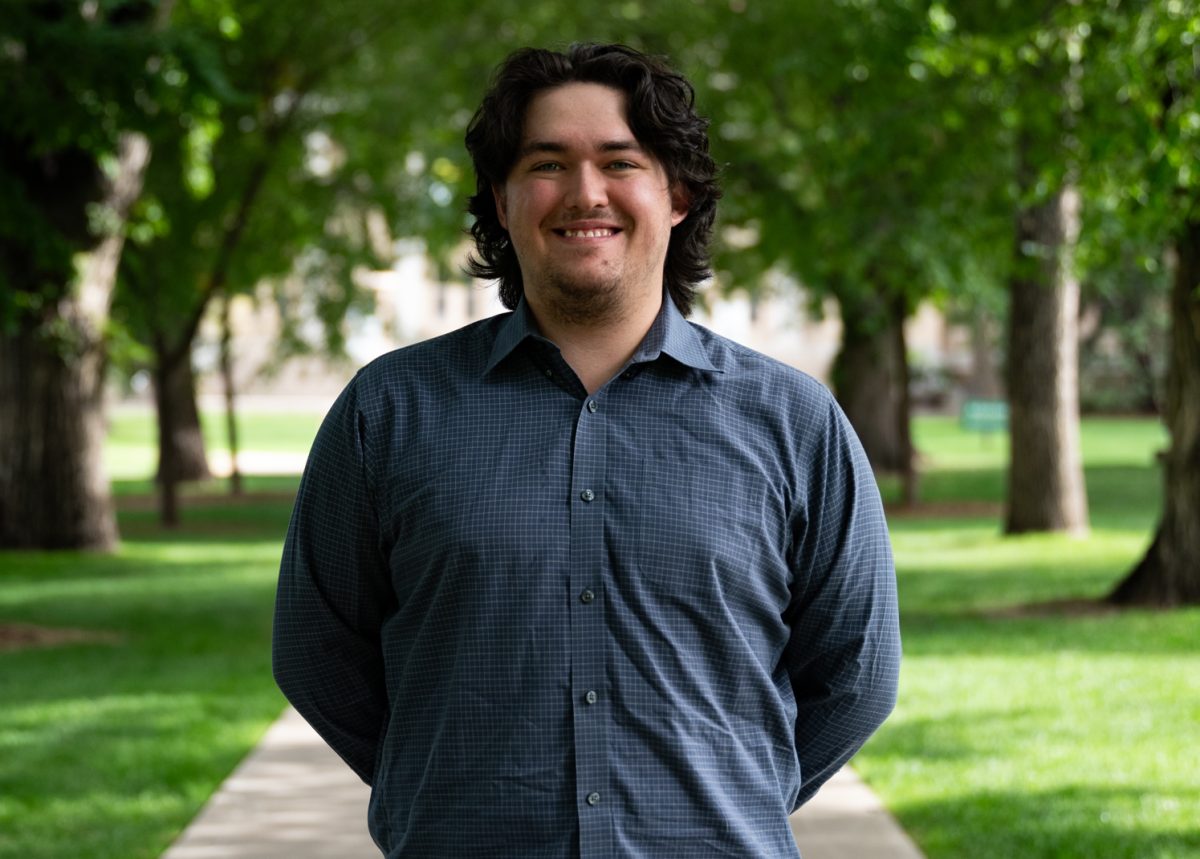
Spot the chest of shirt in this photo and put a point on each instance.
(661, 489)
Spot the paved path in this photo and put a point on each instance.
(292, 798)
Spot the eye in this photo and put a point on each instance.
(546, 167)
(622, 165)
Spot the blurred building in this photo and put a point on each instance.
(412, 303)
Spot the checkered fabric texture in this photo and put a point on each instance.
(649, 622)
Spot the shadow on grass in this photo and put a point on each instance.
(179, 607)
(194, 549)
(110, 747)
(1132, 633)
(1083, 822)
(209, 512)
(1119, 496)
(116, 766)
(215, 488)
(265, 520)
(1124, 498)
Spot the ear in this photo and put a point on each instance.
(680, 204)
(501, 204)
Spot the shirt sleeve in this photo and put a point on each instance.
(334, 593)
(843, 655)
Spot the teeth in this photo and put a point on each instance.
(587, 234)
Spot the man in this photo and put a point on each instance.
(587, 580)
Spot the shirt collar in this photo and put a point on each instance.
(669, 335)
(512, 334)
(672, 335)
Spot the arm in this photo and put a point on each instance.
(843, 656)
(334, 593)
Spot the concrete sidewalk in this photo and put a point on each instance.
(292, 798)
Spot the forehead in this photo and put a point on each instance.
(576, 112)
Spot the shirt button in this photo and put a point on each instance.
(549, 374)
(591, 697)
(592, 406)
(593, 798)
(586, 597)
(587, 495)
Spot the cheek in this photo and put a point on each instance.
(654, 203)
(530, 204)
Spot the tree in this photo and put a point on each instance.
(1169, 573)
(1045, 474)
(1152, 172)
(238, 196)
(53, 491)
(1022, 62)
(81, 89)
(843, 170)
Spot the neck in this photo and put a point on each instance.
(597, 350)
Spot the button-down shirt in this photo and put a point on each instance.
(646, 622)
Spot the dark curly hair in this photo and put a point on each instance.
(662, 116)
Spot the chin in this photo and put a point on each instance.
(583, 298)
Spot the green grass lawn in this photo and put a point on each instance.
(1038, 732)
(1021, 732)
(131, 452)
(109, 747)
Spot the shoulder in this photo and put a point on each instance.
(462, 351)
(422, 375)
(749, 375)
(789, 418)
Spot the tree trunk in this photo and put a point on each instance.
(1045, 476)
(54, 493)
(870, 376)
(180, 439)
(182, 446)
(1169, 574)
(235, 473)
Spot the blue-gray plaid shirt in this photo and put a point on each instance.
(649, 622)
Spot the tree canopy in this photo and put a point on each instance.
(879, 152)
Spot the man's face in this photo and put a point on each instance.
(589, 211)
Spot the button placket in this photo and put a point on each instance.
(588, 629)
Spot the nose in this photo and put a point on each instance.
(587, 189)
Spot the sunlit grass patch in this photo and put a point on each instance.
(108, 747)
(131, 445)
(1034, 723)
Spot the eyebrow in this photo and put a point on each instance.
(535, 146)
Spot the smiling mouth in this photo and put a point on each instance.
(588, 234)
